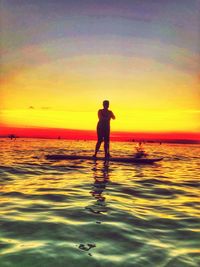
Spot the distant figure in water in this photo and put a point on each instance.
(103, 128)
(12, 136)
(140, 151)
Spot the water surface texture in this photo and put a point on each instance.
(86, 213)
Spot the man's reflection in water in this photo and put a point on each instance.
(101, 179)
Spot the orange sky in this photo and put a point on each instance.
(57, 70)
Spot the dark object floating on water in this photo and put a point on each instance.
(112, 159)
(86, 247)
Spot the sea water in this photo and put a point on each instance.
(87, 213)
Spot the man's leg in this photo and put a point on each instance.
(98, 145)
(106, 148)
(107, 143)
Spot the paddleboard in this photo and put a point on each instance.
(112, 159)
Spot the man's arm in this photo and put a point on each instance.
(99, 114)
(112, 116)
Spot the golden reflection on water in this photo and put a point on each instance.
(101, 178)
(19, 245)
(150, 206)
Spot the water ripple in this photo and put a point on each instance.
(82, 213)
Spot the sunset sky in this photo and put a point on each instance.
(61, 59)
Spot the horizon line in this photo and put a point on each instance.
(80, 134)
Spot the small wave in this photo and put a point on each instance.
(51, 212)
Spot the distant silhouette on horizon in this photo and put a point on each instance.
(103, 128)
(12, 136)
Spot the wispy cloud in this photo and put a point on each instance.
(45, 107)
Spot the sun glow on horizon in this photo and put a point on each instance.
(137, 120)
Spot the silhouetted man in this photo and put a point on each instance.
(103, 128)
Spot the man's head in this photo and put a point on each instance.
(106, 104)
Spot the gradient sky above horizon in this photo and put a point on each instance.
(61, 59)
